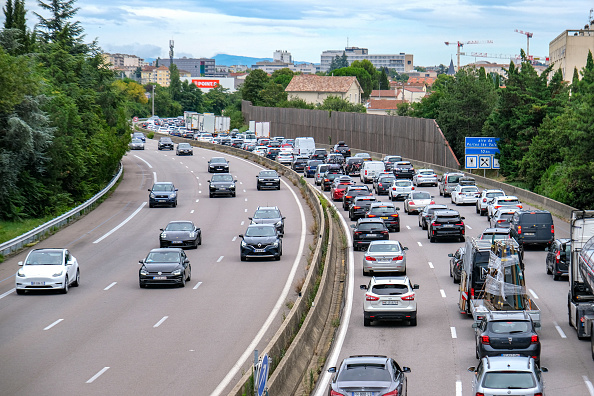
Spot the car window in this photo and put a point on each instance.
(162, 257)
(136, 140)
(453, 178)
(509, 200)
(385, 248)
(389, 289)
(543, 218)
(184, 145)
(268, 173)
(386, 180)
(44, 258)
(179, 227)
(382, 210)
(403, 183)
(469, 189)
(217, 160)
(426, 173)
(260, 231)
(370, 226)
(421, 195)
(364, 372)
(495, 194)
(162, 187)
(509, 327)
(266, 214)
(222, 178)
(508, 380)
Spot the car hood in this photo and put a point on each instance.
(41, 270)
(266, 221)
(222, 184)
(162, 267)
(263, 240)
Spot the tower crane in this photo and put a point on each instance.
(528, 37)
(460, 44)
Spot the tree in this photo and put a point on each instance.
(334, 103)
(251, 89)
(371, 70)
(58, 28)
(296, 103)
(216, 100)
(282, 76)
(174, 82)
(362, 76)
(420, 69)
(384, 83)
(16, 38)
(191, 97)
(273, 94)
(430, 105)
(338, 62)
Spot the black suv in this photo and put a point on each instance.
(268, 179)
(221, 184)
(352, 192)
(342, 148)
(445, 223)
(165, 143)
(218, 164)
(557, 261)
(387, 212)
(269, 215)
(319, 154)
(299, 164)
(261, 241)
(533, 227)
(382, 183)
(360, 206)
(507, 334)
(403, 170)
(332, 173)
(390, 160)
(163, 193)
(427, 212)
(367, 230)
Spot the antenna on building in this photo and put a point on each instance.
(348, 39)
(170, 53)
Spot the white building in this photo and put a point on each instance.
(402, 62)
(569, 51)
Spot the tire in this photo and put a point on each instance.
(151, 205)
(142, 285)
(440, 193)
(278, 188)
(175, 204)
(20, 291)
(200, 240)
(189, 278)
(277, 258)
(556, 277)
(477, 209)
(367, 323)
(413, 322)
(451, 273)
(392, 198)
(397, 229)
(242, 257)
(258, 187)
(76, 282)
(432, 239)
(592, 341)
(66, 286)
(210, 195)
(365, 273)
(234, 195)
(183, 281)
(456, 280)
(549, 272)
(351, 217)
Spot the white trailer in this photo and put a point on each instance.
(222, 124)
(195, 121)
(263, 129)
(188, 118)
(208, 124)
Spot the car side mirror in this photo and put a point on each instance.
(415, 287)
(397, 208)
(284, 218)
(149, 189)
(462, 217)
(353, 225)
(186, 261)
(235, 181)
(20, 263)
(140, 262)
(450, 254)
(544, 369)
(363, 287)
(432, 197)
(472, 369)
(250, 218)
(332, 370)
(475, 325)
(208, 181)
(404, 248)
(406, 369)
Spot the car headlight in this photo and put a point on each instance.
(58, 274)
(192, 234)
(144, 272)
(163, 235)
(275, 244)
(279, 223)
(276, 180)
(243, 244)
(172, 195)
(152, 195)
(176, 272)
(19, 273)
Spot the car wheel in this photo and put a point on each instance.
(592, 341)
(424, 226)
(367, 322)
(549, 272)
(151, 205)
(142, 285)
(20, 291)
(210, 195)
(183, 281)
(277, 258)
(351, 217)
(440, 193)
(397, 229)
(189, 278)
(432, 239)
(175, 204)
(66, 286)
(200, 240)
(456, 279)
(76, 282)
(477, 209)
(234, 195)
(258, 187)
(365, 273)
(413, 322)
(242, 257)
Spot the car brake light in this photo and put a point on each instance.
(397, 258)
(484, 199)
(357, 232)
(370, 215)
(410, 297)
(366, 172)
(500, 221)
(534, 339)
(482, 394)
(394, 215)
(432, 202)
(369, 258)
(356, 207)
(385, 232)
(411, 202)
(348, 196)
(412, 188)
(485, 340)
(557, 256)
(334, 393)
(519, 229)
(460, 224)
(552, 229)
(496, 206)
(472, 293)
(393, 393)
(369, 297)
(435, 224)
(379, 184)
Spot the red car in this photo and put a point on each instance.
(339, 187)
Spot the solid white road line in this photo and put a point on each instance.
(122, 223)
(430, 264)
(589, 385)
(154, 177)
(419, 243)
(143, 160)
(163, 319)
(533, 294)
(7, 293)
(197, 285)
(246, 200)
(110, 286)
(408, 227)
(234, 239)
(53, 324)
(453, 331)
(93, 378)
(442, 293)
(220, 259)
(458, 386)
(559, 330)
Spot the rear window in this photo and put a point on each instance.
(370, 226)
(495, 194)
(389, 290)
(403, 183)
(370, 372)
(385, 248)
(453, 178)
(482, 257)
(509, 200)
(382, 210)
(536, 218)
(421, 195)
(469, 189)
(509, 327)
(448, 219)
(508, 380)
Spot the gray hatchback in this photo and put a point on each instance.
(500, 375)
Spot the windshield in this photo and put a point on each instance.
(393, 159)
(179, 227)
(217, 160)
(385, 248)
(370, 226)
(222, 178)
(45, 258)
(508, 201)
(268, 173)
(184, 145)
(369, 372)
(163, 187)
(136, 141)
(428, 172)
(469, 189)
(267, 214)
(386, 180)
(389, 290)
(495, 194)
(162, 257)
(260, 231)
(508, 380)
(165, 139)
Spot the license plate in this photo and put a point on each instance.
(372, 235)
(389, 302)
(159, 277)
(37, 283)
(362, 393)
(385, 261)
(529, 233)
(223, 188)
(384, 218)
(448, 225)
(510, 354)
(259, 250)
(160, 200)
(269, 184)
(176, 242)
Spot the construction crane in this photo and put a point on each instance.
(531, 58)
(460, 44)
(528, 37)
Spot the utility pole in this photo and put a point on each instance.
(153, 97)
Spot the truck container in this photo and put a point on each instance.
(208, 123)
(262, 129)
(222, 124)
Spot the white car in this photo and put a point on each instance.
(260, 150)
(205, 137)
(389, 298)
(400, 189)
(483, 201)
(385, 256)
(462, 195)
(425, 176)
(47, 269)
(285, 158)
(416, 201)
(498, 202)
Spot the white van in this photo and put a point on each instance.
(304, 146)
(369, 169)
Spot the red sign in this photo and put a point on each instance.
(135, 119)
(206, 83)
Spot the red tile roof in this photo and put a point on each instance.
(384, 93)
(384, 104)
(314, 83)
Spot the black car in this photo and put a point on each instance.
(221, 184)
(226, 140)
(382, 183)
(337, 159)
(557, 261)
(299, 164)
(367, 230)
(445, 224)
(342, 148)
(180, 234)
(184, 149)
(332, 173)
(261, 240)
(390, 160)
(403, 170)
(358, 374)
(319, 154)
(218, 164)
(360, 206)
(165, 143)
(387, 212)
(163, 194)
(269, 215)
(507, 334)
(310, 168)
(166, 266)
(268, 179)
(427, 212)
(456, 264)
(352, 166)
(352, 192)
(272, 153)
(533, 227)
(237, 143)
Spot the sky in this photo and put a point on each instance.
(305, 28)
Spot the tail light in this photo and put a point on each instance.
(411, 202)
(393, 393)
(534, 340)
(334, 393)
(484, 199)
(519, 206)
(496, 206)
(434, 224)
(519, 229)
(409, 297)
(369, 297)
(412, 188)
(379, 184)
(326, 180)
(356, 207)
(500, 221)
(397, 258)
(348, 196)
(472, 293)
(552, 229)
(385, 233)
(394, 215)
(365, 172)
(357, 233)
(557, 256)
(485, 340)
(431, 203)
(371, 215)
(369, 258)
(477, 394)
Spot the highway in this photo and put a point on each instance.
(441, 347)
(108, 336)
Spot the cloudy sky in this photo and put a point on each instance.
(307, 27)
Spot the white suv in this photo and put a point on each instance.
(389, 298)
(462, 195)
(400, 189)
(483, 201)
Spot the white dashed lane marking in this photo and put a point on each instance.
(93, 378)
(163, 319)
(111, 285)
(430, 264)
(197, 285)
(419, 243)
(453, 331)
(559, 330)
(53, 324)
(533, 294)
(220, 259)
(442, 293)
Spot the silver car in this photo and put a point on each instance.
(503, 216)
(136, 144)
(385, 256)
(425, 176)
(389, 298)
(462, 195)
(507, 375)
(320, 170)
(416, 201)
(485, 197)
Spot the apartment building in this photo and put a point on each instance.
(401, 62)
(569, 51)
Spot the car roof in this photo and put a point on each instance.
(168, 183)
(369, 220)
(166, 250)
(500, 316)
(446, 212)
(505, 197)
(496, 230)
(361, 359)
(267, 208)
(516, 363)
(261, 225)
(402, 280)
(385, 242)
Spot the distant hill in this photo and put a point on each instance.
(230, 60)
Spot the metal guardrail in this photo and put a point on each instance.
(38, 233)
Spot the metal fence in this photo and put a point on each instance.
(57, 223)
(416, 138)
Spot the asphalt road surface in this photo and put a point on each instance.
(108, 336)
